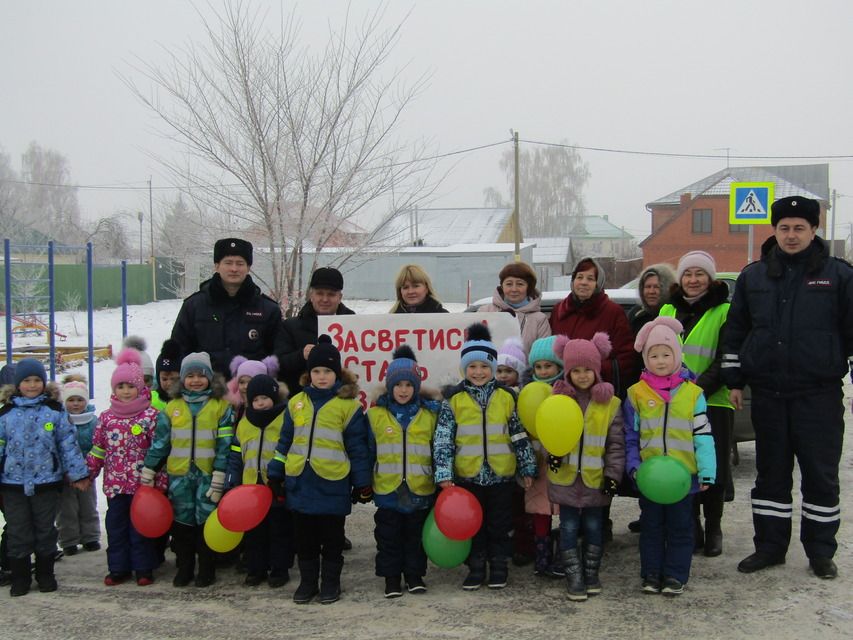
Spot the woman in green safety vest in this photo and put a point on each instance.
(700, 302)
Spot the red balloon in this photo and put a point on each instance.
(458, 514)
(244, 507)
(151, 512)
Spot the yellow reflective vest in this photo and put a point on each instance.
(193, 438)
(588, 454)
(318, 437)
(403, 454)
(483, 434)
(256, 447)
(666, 429)
(699, 348)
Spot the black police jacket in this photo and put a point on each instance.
(210, 320)
(790, 325)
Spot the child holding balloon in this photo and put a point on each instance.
(665, 417)
(192, 439)
(546, 365)
(480, 444)
(400, 440)
(269, 546)
(584, 481)
(120, 442)
(323, 465)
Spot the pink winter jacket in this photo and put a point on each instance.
(123, 442)
(532, 322)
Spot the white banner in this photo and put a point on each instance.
(367, 342)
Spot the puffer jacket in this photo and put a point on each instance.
(531, 321)
(85, 424)
(210, 320)
(119, 446)
(38, 445)
(790, 325)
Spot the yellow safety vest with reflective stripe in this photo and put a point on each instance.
(318, 438)
(700, 347)
(666, 429)
(194, 438)
(589, 452)
(403, 454)
(483, 435)
(254, 440)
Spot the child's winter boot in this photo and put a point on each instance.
(591, 564)
(575, 584)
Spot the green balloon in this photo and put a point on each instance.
(663, 479)
(443, 551)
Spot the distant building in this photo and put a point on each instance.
(697, 216)
(445, 227)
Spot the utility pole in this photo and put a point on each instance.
(515, 217)
(151, 225)
(832, 227)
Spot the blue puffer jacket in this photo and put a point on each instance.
(38, 445)
(308, 492)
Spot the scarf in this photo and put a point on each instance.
(517, 305)
(81, 418)
(663, 385)
(132, 408)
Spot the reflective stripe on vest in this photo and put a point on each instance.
(402, 454)
(194, 437)
(590, 448)
(252, 440)
(318, 438)
(483, 435)
(666, 429)
(700, 347)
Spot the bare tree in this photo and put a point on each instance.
(51, 199)
(12, 220)
(287, 142)
(551, 184)
(109, 238)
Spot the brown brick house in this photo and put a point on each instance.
(697, 216)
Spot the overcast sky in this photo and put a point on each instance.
(761, 78)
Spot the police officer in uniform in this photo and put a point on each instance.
(228, 316)
(790, 338)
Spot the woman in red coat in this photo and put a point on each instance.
(587, 310)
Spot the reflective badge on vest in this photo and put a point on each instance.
(176, 413)
(298, 418)
(389, 430)
(652, 403)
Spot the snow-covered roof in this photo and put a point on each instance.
(551, 250)
(443, 227)
(597, 227)
(810, 180)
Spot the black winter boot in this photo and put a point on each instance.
(498, 573)
(183, 544)
(21, 578)
(543, 555)
(713, 538)
(591, 564)
(330, 581)
(476, 573)
(44, 573)
(575, 584)
(309, 575)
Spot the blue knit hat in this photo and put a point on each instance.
(478, 347)
(29, 367)
(404, 366)
(543, 349)
(199, 361)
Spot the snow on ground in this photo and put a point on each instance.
(153, 322)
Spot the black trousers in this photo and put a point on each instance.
(398, 543)
(30, 521)
(492, 540)
(269, 546)
(809, 428)
(722, 426)
(317, 534)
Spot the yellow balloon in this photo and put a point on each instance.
(218, 537)
(531, 397)
(559, 423)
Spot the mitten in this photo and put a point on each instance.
(610, 488)
(217, 485)
(146, 477)
(362, 495)
(554, 463)
(276, 485)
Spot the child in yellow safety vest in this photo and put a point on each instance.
(583, 481)
(402, 425)
(665, 415)
(480, 445)
(192, 439)
(322, 465)
(269, 546)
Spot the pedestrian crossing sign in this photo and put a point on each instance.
(749, 202)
